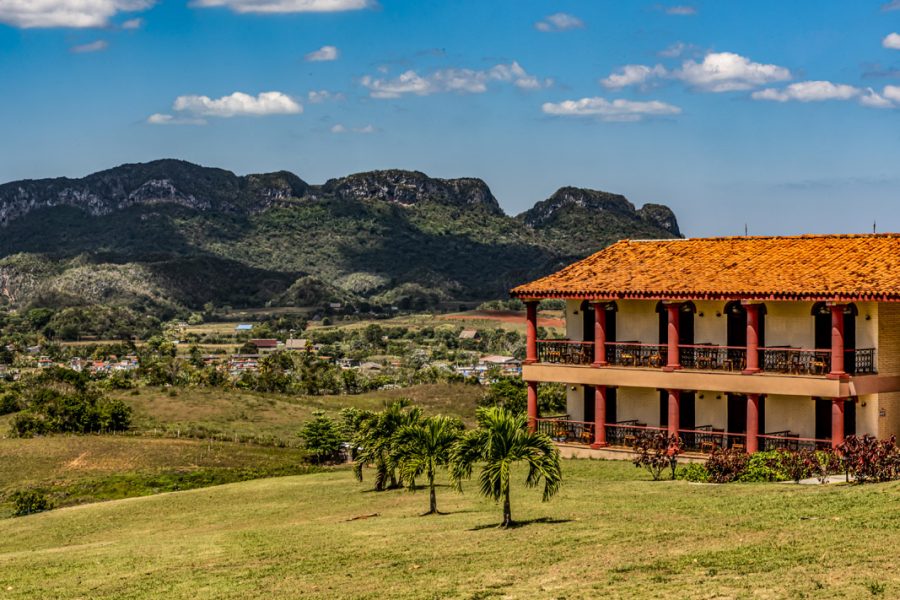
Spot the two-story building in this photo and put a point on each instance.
(747, 342)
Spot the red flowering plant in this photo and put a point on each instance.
(657, 451)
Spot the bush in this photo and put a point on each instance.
(322, 438)
(693, 472)
(27, 502)
(52, 410)
(725, 465)
(656, 452)
(9, 403)
(797, 465)
(763, 466)
(869, 459)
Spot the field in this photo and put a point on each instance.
(278, 416)
(609, 533)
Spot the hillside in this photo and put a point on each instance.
(170, 234)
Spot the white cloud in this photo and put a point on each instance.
(681, 11)
(339, 128)
(892, 92)
(238, 104)
(617, 110)
(808, 91)
(892, 5)
(892, 41)
(66, 13)
(161, 119)
(95, 46)
(133, 24)
(632, 75)
(559, 22)
(873, 99)
(674, 51)
(319, 96)
(464, 81)
(325, 53)
(728, 72)
(285, 6)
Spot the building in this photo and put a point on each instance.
(265, 345)
(747, 342)
(469, 334)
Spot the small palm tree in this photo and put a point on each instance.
(373, 444)
(425, 446)
(502, 438)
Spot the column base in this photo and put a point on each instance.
(750, 371)
(597, 365)
(837, 375)
(528, 361)
(670, 368)
(596, 446)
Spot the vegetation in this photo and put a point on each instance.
(657, 452)
(501, 440)
(609, 531)
(322, 438)
(28, 502)
(868, 459)
(426, 446)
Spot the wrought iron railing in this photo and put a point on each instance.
(864, 361)
(712, 358)
(565, 352)
(797, 361)
(635, 354)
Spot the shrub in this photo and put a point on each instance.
(9, 403)
(27, 502)
(725, 465)
(52, 410)
(824, 463)
(869, 459)
(656, 452)
(693, 472)
(322, 438)
(763, 466)
(797, 465)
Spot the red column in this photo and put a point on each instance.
(674, 411)
(599, 335)
(532, 405)
(673, 359)
(837, 341)
(599, 417)
(531, 332)
(752, 338)
(837, 422)
(752, 423)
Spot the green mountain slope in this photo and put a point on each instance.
(172, 234)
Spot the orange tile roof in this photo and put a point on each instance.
(812, 267)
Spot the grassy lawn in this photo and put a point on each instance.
(80, 469)
(278, 416)
(610, 533)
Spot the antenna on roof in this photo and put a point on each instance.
(745, 230)
(874, 223)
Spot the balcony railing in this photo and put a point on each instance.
(703, 438)
(707, 357)
(565, 352)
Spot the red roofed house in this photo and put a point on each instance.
(748, 342)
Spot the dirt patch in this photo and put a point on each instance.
(504, 316)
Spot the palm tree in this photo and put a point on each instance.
(374, 444)
(425, 446)
(502, 438)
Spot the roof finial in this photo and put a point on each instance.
(874, 224)
(745, 230)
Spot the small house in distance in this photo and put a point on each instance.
(753, 343)
(469, 334)
(299, 344)
(265, 345)
(244, 327)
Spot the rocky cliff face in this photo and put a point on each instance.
(411, 187)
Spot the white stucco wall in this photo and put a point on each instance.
(575, 402)
(708, 328)
(710, 410)
(637, 320)
(796, 413)
(574, 323)
(790, 324)
(867, 415)
(867, 330)
(638, 403)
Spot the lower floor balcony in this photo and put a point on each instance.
(701, 439)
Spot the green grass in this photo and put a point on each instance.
(278, 416)
(610, 533)
(80, 469)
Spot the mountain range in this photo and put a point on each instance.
(170, 235)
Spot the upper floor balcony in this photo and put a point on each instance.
(707, 357)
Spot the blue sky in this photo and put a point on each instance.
(784, 116)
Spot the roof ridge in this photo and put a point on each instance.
(768, 237)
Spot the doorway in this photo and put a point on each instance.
(822, 314)
(823, 418)
(737, 414)
(587, 321)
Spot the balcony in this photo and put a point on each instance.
(706, 357)
(702, 439)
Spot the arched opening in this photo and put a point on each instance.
(685, 323)
(822, 314)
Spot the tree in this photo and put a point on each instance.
(425, 446)
(502, 439)
(322, 437)
(374, 443)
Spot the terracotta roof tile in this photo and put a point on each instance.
(816, 267)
